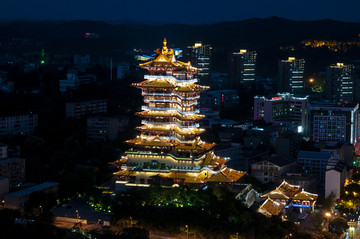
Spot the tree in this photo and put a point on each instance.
(338, 225)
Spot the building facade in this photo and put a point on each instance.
(83, 108)
(200, 56)
(219, 99)
(169, 147)
(291, 75)
(334, 122)
(314, 163)
(283, 109)
(18, 124)
(105, 128)
(271, 170)
(14, 169)
(242, 68)
(335, 177)
(340, 82)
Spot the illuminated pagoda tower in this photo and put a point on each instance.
(169, 147)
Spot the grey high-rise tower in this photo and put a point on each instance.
(340, 82)
(291, 75)
(200, 56)
(242, 68)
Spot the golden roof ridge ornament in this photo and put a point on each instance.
(165, 49)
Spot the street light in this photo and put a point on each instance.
(130, 221)
(328, 215)
(187, 231)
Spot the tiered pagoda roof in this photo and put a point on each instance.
(169, 145)
(166, 58)
(157, 141)
(170, 113)
(177, 129)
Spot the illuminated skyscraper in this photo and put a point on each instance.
(200, 56)
(169, 147)
(291, 75)
(340, 83)
(242, 68)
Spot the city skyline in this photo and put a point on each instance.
(200, 12)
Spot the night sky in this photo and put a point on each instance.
(185, 11)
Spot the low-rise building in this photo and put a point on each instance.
(315, 163)
(122, 69)
(283, 109)
(82, 108)
(21, 124)
(305, 181)
(335, 177)
(334, 122)
(219, 99)
(287, 198)
(271, 170)
(73, 81)
(4, 187)
(16, 200)
(105, 128)
(14, 169)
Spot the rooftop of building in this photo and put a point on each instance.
(282, 96)
(10, 160)
(313, 154)
(86, 101)
(299, 176)
(332, 104)
(36, 188)
(166, 58)
(280, 160)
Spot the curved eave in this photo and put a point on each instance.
(176, 129)
(148, 113)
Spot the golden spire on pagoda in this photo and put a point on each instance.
(165, 49)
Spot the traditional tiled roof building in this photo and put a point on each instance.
(292, 197)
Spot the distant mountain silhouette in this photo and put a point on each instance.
(259, 34)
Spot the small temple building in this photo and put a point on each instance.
(287, 198)
(169, 148)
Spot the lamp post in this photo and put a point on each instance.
(187, 231)
(328, 216)
(131, 222)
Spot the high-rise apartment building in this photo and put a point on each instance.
(291, 75)
(340, 83)
(200, 57)
(169, 147)
(242, 68)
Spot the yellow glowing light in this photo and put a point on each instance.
(327, 214)
(311, 80)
